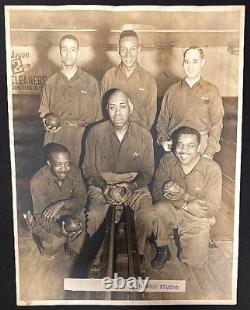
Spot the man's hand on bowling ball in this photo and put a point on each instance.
(52, 123)
(197, 208)
(52, 129)
(172, 191)
(129, 189)
(118, 194)
(52, 211)
(106, 193)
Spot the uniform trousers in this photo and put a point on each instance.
(193, 233)
(141, 204)
(49, 238)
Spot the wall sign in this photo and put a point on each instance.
(27, 76)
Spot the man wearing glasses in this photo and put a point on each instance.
(192, 102)
(187, 190)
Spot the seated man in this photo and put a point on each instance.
(58, 196)
(187, 187)
(120, 154)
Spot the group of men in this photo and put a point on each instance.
(119, 154)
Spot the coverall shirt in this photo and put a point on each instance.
(199, 107)
(141, 88)
(77, 103)
(105, 153)
(46, 191)
(203, 182)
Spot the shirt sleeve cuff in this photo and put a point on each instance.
(97, 181)
(139, 181)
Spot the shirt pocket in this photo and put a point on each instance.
(85, 97)
(142, 93)
(106, 161)
(85, 107)
(203, 108)
(195, 184)
(134, 160)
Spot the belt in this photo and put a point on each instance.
(73, 123)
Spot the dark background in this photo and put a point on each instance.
(7, 263)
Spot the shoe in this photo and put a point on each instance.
(144, 269)
(162, 255)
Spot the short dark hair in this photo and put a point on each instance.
(184, 130)
(70, 37)
(128, 33)
(112, 91)
(199, 49)
(105, 99)
(53, 148)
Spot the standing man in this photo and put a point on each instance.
(130, 77)
(192, 102)
(187, 188)
(71, 99)
(119, 154)
(59, 196)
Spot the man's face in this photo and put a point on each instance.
(119, 109)
(186, 148)
(193, 64)
(69, 52)
(128, 50)
(59, 165)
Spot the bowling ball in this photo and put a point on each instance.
(52, 120)
(171, 186)
(71, 226)
(117, 193)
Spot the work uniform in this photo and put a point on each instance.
(105, 153)
(45, 191)
(77, 103)
(203, 182)
(141, 88)
(199, 107)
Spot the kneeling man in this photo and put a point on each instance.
(119, 153)
(188, 188)
(59, 196)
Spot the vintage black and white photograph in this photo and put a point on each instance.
(125, 139)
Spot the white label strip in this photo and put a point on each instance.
(125, 285)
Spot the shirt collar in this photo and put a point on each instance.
(196, 167)
(185, 84)
(62, 76)
(136, 71)
(130, 131)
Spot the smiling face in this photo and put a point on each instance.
(119, 109)
(193, 64)
(186, 149)
(69, 52)
(128, 50)
(59, 164)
